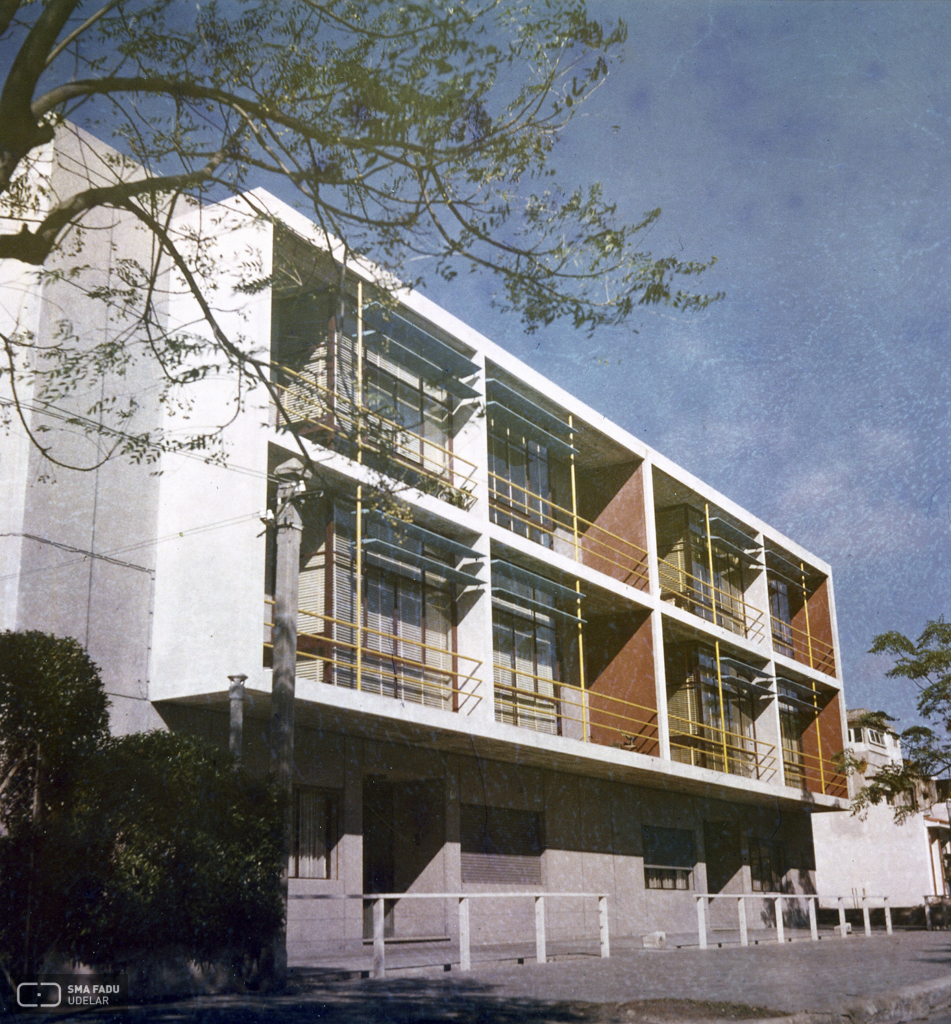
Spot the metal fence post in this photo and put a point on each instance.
(813, 925)
(603, 933)
(379, 946)
(540, 954)
(741, 910)
(842, 929)
(780, 931)
(888, 917)
(701, 922)
(465, 954)
(865, 916)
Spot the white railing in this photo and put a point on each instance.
(778, 898)
(465, 940)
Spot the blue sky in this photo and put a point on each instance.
(807, 146)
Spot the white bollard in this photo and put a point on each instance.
(780, 930)
(603, 926)
(813, 925)
(379, 946)
(701, 922)
(865, 916)
(465, 953)
(888, 917)
(741, 910)
(540, 951)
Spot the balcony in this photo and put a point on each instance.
(339, 652)
(799, 613)
(704, 564)
(372, 437)
(376, 388)
(709, 746)
(537, 517)
(546, 705)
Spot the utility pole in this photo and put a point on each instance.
(292, 477)
(236, 717)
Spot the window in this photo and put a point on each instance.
(767, 866)
(876, 737)
(669, 857)
(315, 833)
(792, 724)
(527, 668)
(685, 561)
(519, 489)
(501, 845)
(699, 733)
(780, 616)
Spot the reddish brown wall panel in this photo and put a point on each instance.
(619, 657)
(829, 726)
(612, 498)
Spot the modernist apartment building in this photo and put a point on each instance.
(533, 653)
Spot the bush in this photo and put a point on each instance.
(120, 850)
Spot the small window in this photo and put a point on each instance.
(767, 866)
(669, 857)
(501, 845)
(315, 832)
(876, 737)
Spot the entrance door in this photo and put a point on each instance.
(379, 861)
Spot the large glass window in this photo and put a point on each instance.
(527, 666)
(781, 616)
(793, 721)
(685, 569)
(711, 719)
(519, 486)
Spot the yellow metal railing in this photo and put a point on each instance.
(709, 746)
(727, 608)
(340, 417)
(818, 774)
(411, 670)
(572, 711)
(536, 512)
(802, 646)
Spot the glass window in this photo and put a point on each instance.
(767, 866)
(520, 497)
(669, 857)
(315, 832)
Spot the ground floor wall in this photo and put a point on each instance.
(877, 857)
(402, 818)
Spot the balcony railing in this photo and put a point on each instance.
(715, 604)
(545, 705)
(813, 773)
(340, 653)
(709, 746)
(340, 422)
(540, 515)
(800, 645)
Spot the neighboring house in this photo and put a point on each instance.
(876, 856)
(576, 667)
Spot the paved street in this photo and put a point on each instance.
(822, 977)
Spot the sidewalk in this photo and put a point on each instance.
(882, 979)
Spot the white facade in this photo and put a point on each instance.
(875, 856)
(577, 668)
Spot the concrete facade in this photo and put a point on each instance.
(542, 683)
